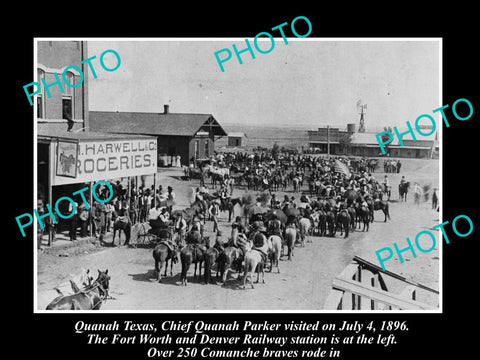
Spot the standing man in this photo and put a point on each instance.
(73, 220)
(133, 208)
(435, 199)
(40, 211)
(170, 194)
(214, 211)
(418, 192)
(83, 216)
(101, 215)
(109, 209)
(170, 199)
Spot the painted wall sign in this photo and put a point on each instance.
(100, 160)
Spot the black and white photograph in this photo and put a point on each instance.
(232, 183)
(235, 174)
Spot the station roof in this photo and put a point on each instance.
(237, 134)
(169, 124)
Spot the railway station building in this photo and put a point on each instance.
(182, 137)
(337, 141)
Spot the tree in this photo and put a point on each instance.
(345, 141)
(275, 151)
(386, 137)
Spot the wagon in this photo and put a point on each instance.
(147, 236)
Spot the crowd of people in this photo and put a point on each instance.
(392, 166)
(99, 217)
(272, 172)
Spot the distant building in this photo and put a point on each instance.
(349, 142)
(188, 136)
(236, 139)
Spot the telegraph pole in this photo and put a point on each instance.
(328, 141)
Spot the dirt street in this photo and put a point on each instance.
(303, 283)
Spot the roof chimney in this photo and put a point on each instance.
(165, 109)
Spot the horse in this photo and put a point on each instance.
(296, 184)
(210, 257)
(363, 214)
(290, 237)
(353, 215)
(350, 196)
(275, 244)
(343, 222)
(305, 226)
(322, 222)
(331, 219)
(403, 190)
(253, 262)
(83, 278)
(229, 205)
(378, 205)
(192, 253)
(230, 258)
(162, 253)
(89, 298)
(122, 223)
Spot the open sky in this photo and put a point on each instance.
(308, 83)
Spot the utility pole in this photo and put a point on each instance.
(328, 141)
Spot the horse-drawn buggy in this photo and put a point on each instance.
(152, 233)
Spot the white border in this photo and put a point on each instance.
(386, 39)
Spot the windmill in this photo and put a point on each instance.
(361, 107)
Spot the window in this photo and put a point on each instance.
(207, 148)
(40, 95)
(67, 108)
(68, 97)
(196, 149)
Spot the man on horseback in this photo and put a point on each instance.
(180, 225)
(220, 243)
(224, 197)
(199, 198)
(260, 242)
(237, 228)
(275, 226)
(386, 186)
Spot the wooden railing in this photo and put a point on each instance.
(361, 286)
